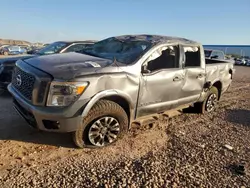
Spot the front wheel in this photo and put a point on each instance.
(105, 123)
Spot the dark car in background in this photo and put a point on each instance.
(7, 64)
(34, 49)
(63, 47)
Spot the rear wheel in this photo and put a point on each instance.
(105, 123)
(5, 53)
(210, 102)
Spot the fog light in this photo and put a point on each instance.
(48, 124)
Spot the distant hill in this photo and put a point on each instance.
(14, 42)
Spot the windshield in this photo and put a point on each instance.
(123, 51)
(208, 53)
(53, 48)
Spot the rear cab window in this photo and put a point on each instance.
(192, 56)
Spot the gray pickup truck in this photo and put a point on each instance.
(98, 93)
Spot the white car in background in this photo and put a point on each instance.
(241, 62)
(248, 62)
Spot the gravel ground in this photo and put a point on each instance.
(190, 150)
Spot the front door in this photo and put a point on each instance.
(161, 81)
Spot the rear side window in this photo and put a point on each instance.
(192, 56)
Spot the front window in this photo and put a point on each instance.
(124, 51)
(53, 48)
(166, 57)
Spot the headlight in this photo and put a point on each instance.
(65, 93)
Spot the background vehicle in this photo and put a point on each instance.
(7, 64)
(214, 54)
(11, 50)
(241, 61)
(98, 94)
(248, 62)
(64, 46)
(33, 50)
(3, 45)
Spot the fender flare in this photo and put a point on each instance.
(104, 94)
(211, 83)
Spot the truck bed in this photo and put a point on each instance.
(213, 61)
(220, 70)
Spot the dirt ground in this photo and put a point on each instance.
(189, 150)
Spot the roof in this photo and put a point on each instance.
(156, 39)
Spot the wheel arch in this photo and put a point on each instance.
(218, 85)
(118, 97)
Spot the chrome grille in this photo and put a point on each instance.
(23, 82)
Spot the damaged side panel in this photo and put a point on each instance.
(159, 92)
(193, 84)
(121, 84)
(220, 72)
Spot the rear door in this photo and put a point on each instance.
(195, 74)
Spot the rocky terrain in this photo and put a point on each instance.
(190, 150)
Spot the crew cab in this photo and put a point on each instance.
(97, 94)
(7, 64)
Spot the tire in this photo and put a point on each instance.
(101, 110)
(5, 53)
(203, 107)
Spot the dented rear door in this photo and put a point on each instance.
(194, 74)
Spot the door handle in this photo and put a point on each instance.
(177, 78)
(200, 75)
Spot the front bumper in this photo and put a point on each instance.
(50, 119)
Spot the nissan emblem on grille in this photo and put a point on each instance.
(23, 82)
(18, 80)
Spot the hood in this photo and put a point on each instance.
(67, 66)
(10, 61)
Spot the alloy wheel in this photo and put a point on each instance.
(104, 131)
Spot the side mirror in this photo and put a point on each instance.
(144, 70)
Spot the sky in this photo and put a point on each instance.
(208, 22)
